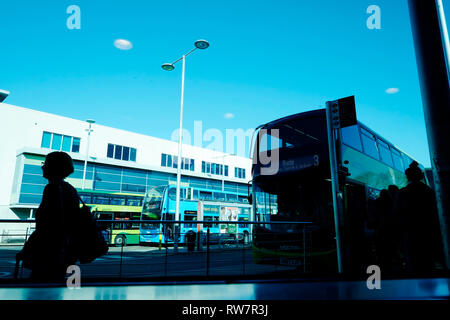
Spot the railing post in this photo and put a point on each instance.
(304, 248)
(243, 256)
(165, 259)
(121, 256)
(207, 252)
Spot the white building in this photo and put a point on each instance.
(119, 161)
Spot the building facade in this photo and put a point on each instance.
(118, 161)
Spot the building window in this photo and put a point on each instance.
(121, 153)
(214, 168)
(239, 173)
(170, 161)
(60, 142)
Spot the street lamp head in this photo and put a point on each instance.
(201, 44)
(3, 95)
(168, 66)
(90, 121)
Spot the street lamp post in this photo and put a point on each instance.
(89, 130)
(199, 44)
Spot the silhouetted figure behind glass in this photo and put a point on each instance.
(420, 223)
(52, 252)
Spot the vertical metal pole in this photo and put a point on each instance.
(180, 139)
(430, 38)
(304, 248)
(121, 255)
(334, 182)
(87, 155)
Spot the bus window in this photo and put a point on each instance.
(369, 144)
(100, 200)
(134, 201)
(204, 195)
(396, 156)
(385, 153)
(350, 136)
(173, 194)
(86, 198)
(117, 201)
(190, 217)
(243, 199)
(219, 196)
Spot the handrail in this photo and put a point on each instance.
(175, 221)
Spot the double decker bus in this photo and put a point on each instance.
(125, 208)
(299, 189)
(195, 205)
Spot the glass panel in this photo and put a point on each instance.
(350, 136)
(133, 154)
(370, 145)
(118, 153)
(125, 153)
(56, 142)
(163, 159)
(46, 139)
(175, 162)
(34, 178)
(406, 160)
(67, 143)
(219, 196)
(203, 166)
(398, 164)
(76, 145)
(232, 197)
(110, 152)
(133, 180)
(192, 168)
(385, 153)
(226, 171)
(169, 161)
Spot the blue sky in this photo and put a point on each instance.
(267, 59)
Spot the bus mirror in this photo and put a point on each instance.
(250, 199)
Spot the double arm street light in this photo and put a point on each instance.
(199, 44)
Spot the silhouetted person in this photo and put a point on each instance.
(420, 223)
(52, 247)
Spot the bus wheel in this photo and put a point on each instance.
(120, 240)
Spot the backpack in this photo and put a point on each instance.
(90, 243)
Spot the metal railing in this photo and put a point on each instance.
(257, 249)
